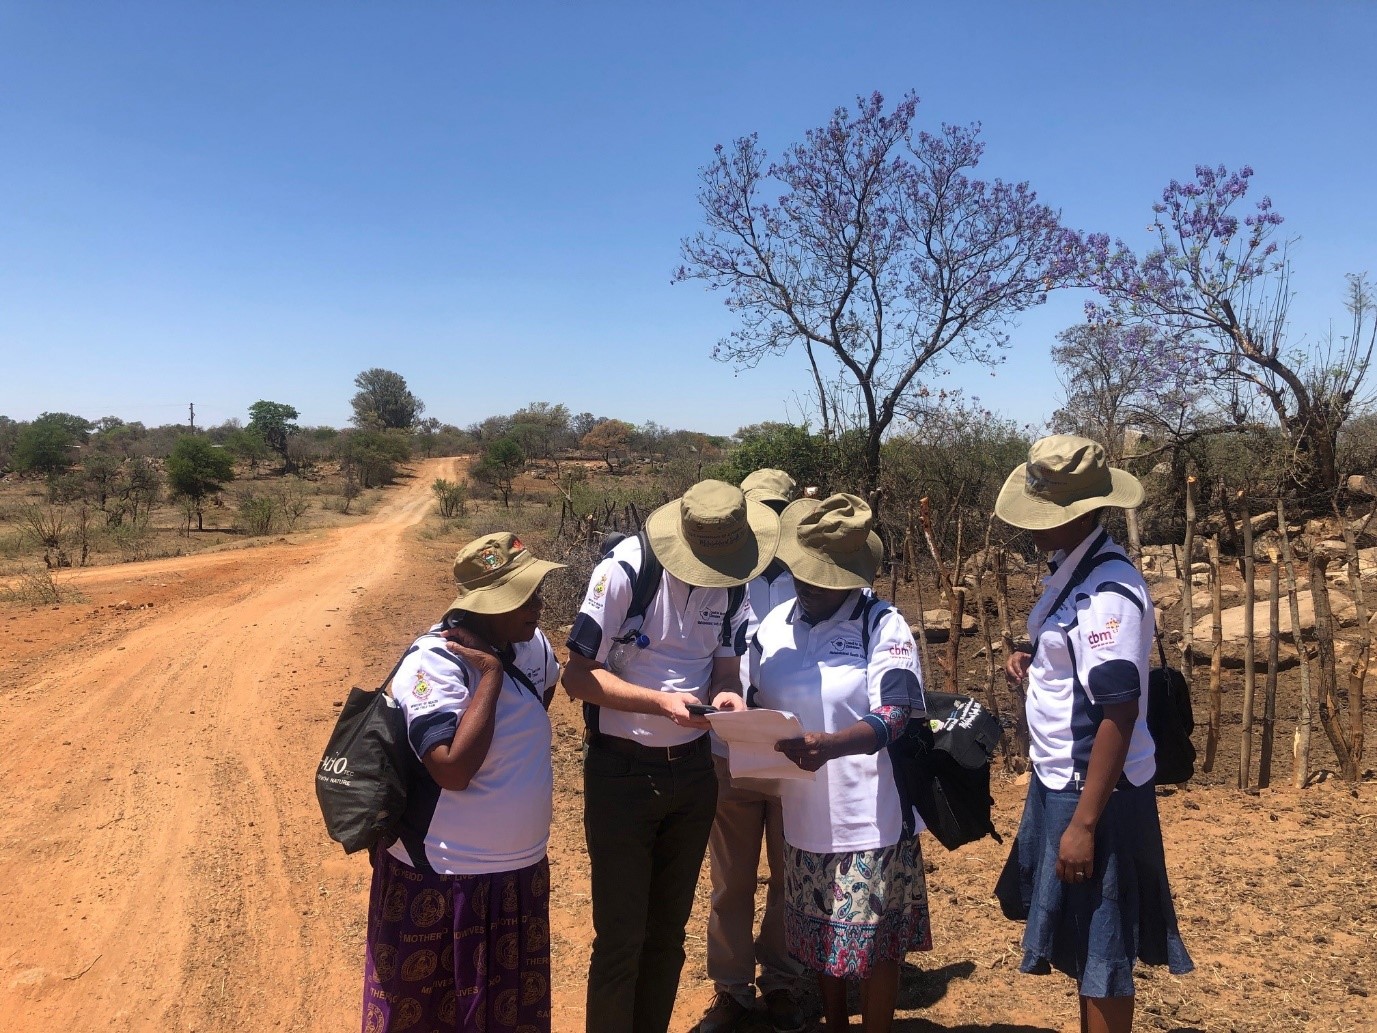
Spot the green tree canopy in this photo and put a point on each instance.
(46, 445)
(274, 423)
(196, 469)
(384, 402)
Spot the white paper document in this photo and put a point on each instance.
(751, 735)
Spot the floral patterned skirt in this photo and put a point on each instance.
(844, 912)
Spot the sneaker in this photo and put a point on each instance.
(722, 1015)
(783, 1012)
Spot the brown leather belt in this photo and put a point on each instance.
(653, 754)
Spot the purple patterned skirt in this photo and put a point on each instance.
(457, 952)
(844, 912)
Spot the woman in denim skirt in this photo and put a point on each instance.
(1087, 871)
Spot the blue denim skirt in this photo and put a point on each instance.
(1093, 931)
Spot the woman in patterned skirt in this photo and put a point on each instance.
(844, 662)
(458, 915)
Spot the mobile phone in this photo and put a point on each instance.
(699, 709)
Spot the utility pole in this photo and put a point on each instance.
(192, 418)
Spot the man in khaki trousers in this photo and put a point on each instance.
(745, 815)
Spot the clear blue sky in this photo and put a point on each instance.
(220, 202)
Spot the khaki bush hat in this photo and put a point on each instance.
(1065, 476)
(497, 574)
(768, 486)
(831, 542)
(713, 536)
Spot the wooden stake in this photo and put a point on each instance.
(1357, 674)
(1269, 706)
(1216, 657)
(1245, 752)
(1327, 693)
(1018, 760)
(1188, 589)
(1300, 746)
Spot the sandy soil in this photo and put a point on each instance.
(167, 868)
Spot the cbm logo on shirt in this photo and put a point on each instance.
(901, 650)
(1106, 637)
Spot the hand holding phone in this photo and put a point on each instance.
(700, 709)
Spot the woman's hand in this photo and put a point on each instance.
(1076, 856)
(465, 644)
(811, 752)
(729, 701)
(1016, 666)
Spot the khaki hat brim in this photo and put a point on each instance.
(1015, 506)
(511, 594)
(857, 570)
(663, 530)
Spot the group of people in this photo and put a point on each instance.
(745, 597)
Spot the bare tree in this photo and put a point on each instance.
(872, 249)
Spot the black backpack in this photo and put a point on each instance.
(1171, 720)
(942, 767)
(941, 762)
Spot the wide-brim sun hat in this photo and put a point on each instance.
(768, 486)
(831, 542)
(713, 536)
(497, 574)
(1065, 477)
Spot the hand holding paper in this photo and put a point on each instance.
(751, 735)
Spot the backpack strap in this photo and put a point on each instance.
(645, 582)
(871, 611)
(736, 595)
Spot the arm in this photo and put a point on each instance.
(724, 687)
(816, 748)
(591, 682)
(454, 764)
(1076, 858)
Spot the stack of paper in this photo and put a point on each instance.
(751, 735)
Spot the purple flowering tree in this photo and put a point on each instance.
(872, 249)
(1220, 283)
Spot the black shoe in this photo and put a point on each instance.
(722, 1015)
(783, 1012)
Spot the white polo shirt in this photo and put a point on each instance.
(764, 594)
(820, 673)
(1093, 650)
(684, 629)
(501, 822)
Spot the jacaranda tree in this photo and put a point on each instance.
(870, 247)
(1222, 283)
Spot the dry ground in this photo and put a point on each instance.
(168, 869)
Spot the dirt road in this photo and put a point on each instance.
(166, 868)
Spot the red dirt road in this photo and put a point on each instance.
(166, 864)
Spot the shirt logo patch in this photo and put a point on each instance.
(422, 689)
(1097, 639)
(901, 651)
(844, 645)
(711, 616)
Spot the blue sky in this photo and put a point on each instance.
(221, 202)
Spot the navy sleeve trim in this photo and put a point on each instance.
(1115, 681)
(585, 637)
(900, 688)
(431, 730)
(1118, 589)
(452, 658)
(881, 731)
